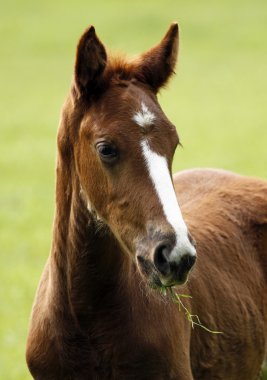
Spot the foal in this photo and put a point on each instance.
(119, 236)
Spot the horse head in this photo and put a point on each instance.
(122, 146)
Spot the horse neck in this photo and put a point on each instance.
(88, 268)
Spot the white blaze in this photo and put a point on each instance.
(144, 117)
(160, 176)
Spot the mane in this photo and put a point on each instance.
(120, 67)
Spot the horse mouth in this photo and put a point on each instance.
(156, 280)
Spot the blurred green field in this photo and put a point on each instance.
(218, 100)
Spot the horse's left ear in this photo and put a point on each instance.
(91, 59)
(157, 65)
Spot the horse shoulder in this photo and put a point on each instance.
(227, 216)
(42, 342)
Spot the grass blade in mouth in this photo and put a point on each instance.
(193, 319)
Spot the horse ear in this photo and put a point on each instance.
(91, 59)
(157, 65)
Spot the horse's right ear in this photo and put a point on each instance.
(91, 59)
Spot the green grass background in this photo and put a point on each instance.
(217, 101)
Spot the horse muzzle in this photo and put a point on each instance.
(166, 263)
(173, 272)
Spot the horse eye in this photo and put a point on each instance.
(107, 152)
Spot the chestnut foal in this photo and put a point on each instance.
(119, 236)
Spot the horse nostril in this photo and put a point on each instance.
(161, 259)
(187, 262)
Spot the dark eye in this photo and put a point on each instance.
(108, 152)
